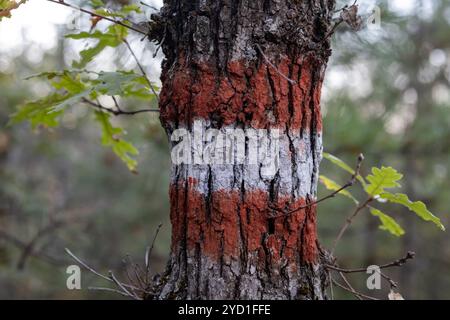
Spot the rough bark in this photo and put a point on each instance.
(245, 64)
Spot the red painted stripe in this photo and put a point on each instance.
(228, 222)
(256, 96)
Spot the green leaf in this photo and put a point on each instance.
(70, 82)
(333, 186)
(341, 164)
(417, 207)
(97, 3)
(388, 223)
(381, 179)
(123, 83)
(40, 112)
(112, 137)
(122, 13)
(113, 37)
(46, 111)
(116, 83)
(71, 100)
(129, 8)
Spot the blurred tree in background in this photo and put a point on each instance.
(387, 96)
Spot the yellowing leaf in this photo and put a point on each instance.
(333, 186)
(381, 179)
(341, 164)
(388, 223)
(417, 207)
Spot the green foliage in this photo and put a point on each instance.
(382, 179)
(39, 112)
(388, 223)
(379, 180)
(112, 37)
(74, 87)
(123, 83)
(97, 4)
(112, 137)
(122, 13)
(417, 207)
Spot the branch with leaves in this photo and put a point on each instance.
(81, 86)
(124, 23)
(376, 187)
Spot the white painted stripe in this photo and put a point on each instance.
(291, 171)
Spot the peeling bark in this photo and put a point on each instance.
(245, 64)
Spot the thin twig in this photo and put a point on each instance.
(350, 183)
(147, 5)
(121, 286)
(338, 22)
(129, 277)
(331, 286)
(109, 290)
(130, 263)
(141, 68)
(341, 271)
(391, 282)
(93, 14)
(345, 7)
(161, 43)
(397, 263)
(116, 103)
(333, 29)
(349, 221)
(148, 254)
(83, 264)
(349, 285)
(86, 266)
(274, 67)
(357, 294)
(116, 112)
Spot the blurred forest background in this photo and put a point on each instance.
(387, 95)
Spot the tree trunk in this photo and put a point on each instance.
(245, 65)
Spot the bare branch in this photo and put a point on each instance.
(148, 254)
(350, 286)
(122, 286)
(109, 290)
(359, 295)
(93, 14)
(141, 68)
(98, 273)
(349, 221)
(397, 263)
(117, 112)
(147, 5)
